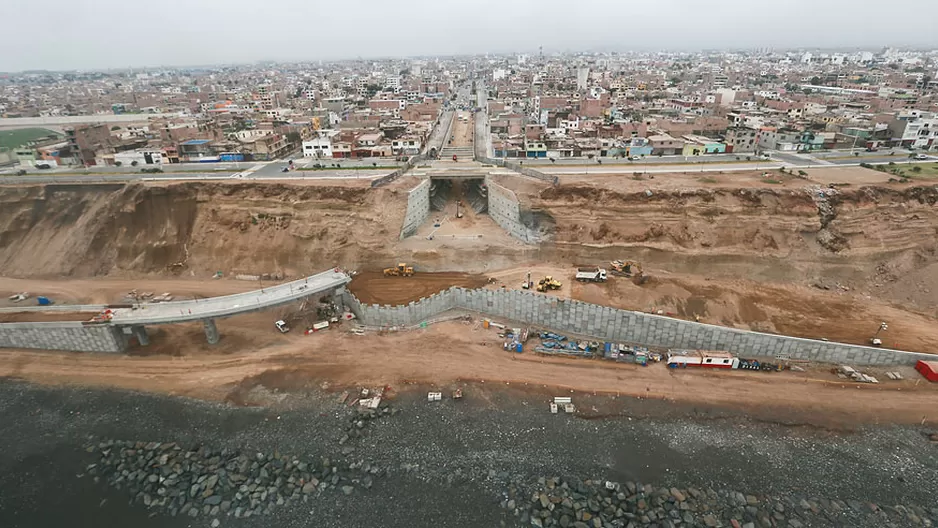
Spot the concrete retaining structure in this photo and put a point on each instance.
(505, 210)
(74, 336)
(418, 208)
(611, 324)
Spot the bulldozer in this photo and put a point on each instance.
(631, 269)
(548, 283)
(402, 270)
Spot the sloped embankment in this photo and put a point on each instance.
(235, 228)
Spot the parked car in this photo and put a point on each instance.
(921, 157)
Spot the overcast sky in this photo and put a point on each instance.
(84, 34)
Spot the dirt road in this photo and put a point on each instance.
(462, 130)
(45, 317)
(106, 291)
(372, 287)
(445, 354)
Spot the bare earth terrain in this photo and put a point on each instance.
(251, 353)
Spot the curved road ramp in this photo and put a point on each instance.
(110, 333)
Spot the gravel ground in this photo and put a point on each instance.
(445, 464)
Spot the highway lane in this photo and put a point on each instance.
(127, 178)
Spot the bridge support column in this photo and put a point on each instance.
(211, 331)
(140, 332)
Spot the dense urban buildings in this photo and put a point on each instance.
(622, 106)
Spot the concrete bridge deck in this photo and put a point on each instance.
(229, 305)
(111, 335)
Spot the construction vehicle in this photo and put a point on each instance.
(402, 270)
(527, 284)
(875, 341)
(591, 274)
(548, 283)
(629, 268)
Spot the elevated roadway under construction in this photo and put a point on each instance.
(107, 332)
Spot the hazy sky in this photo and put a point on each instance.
(82, 34)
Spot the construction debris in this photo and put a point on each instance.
(19, 297)
(846, 372)
(370, 403)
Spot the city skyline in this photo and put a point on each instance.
(211, 33)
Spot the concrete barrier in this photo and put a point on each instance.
(74, 336)
(418, 208)
(611, 324)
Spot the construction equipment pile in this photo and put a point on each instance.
(557, 344)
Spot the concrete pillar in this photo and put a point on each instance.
(140, 332)
(211, 331)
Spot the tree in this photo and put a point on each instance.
(117, 163)
(115, 127)
(293, 137)
(134, 163)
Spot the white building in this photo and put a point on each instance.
(141, 157)
(408, 145)
(582, 77)
(320, 147)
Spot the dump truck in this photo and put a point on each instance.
(402, 270)
(590, 274)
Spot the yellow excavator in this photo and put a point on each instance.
(629, 268)
(402, 270)
(548, 283)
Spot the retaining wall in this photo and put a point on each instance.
(418, 208)
(610, 324)
(505, 210)
(73, 336)
(411, 163)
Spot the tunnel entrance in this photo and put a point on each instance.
(468, 193)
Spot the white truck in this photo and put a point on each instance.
(591, 274)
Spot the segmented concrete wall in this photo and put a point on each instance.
(610, 324)
(418, 208)
(505, 210)
(62, 336)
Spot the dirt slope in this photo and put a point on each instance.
(200, 227)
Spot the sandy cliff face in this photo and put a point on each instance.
(763, 221)
(236, 228)
(880, 240)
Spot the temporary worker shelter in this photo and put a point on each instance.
(929, 369)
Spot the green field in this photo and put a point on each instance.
(921, 171)
(14, 138)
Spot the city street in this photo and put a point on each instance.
(189, 176)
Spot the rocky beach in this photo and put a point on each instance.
(87, 457)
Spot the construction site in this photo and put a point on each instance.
(493, 305)
(835, 255)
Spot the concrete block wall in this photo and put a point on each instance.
(72, 336)
(505, 210)
(610, 324)
(418, 208)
